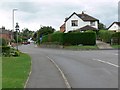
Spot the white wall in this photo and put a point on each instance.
(114, 27)
(81, 23)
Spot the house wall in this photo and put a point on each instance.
(81, 23)
(114, 27)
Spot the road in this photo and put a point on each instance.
(82, 69)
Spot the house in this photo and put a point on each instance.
(6, 34)
(80, 22)
(62, 28)
(115, 26)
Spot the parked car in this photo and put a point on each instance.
(25, 43)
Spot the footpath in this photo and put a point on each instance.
(103, 45)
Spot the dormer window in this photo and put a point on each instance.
(74, 23)
(92, 23)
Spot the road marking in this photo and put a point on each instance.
(106, 62)
(110, 53)
(63, 75)
(28, 75)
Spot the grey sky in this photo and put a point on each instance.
(33, 14)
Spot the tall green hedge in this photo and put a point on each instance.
(75, 38)
(105, 35)
(116, 38)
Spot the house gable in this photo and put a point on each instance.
(115, 26)
(76, 21)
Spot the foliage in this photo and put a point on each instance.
(101, 26)
(116, 38)
(73, 38)
(15, 71)
(85, 38)
(8, 51)
(3, 42)
(45, 30)
(5, 50)
(105, 35)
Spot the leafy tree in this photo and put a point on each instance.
(45, 30)
(101, 26)
(26, 34)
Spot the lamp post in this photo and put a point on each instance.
(17, 29)
(13, 17)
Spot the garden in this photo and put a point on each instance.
(15, 66)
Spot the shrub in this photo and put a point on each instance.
(3, 42)
(105, 35)
(5, 50)
(73, 38)
(116, 38)
(86, 38)
(16, 53)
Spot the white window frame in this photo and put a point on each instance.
(74, 23)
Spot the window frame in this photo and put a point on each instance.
(74, 23)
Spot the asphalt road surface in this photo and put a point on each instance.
(82, 69)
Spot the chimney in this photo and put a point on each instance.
(82, 12)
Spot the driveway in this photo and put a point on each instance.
(82, 69)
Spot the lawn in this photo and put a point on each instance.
(81, 47)
(116, 46)
(15, 71)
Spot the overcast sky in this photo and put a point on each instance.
(32, 14)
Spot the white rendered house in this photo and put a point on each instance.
(115, 26)
(80, 22)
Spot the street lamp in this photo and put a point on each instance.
(13, 17)
(17, 29)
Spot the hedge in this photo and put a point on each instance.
(116, 38)
(105, 35)
(74, 38)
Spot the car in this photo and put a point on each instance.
(25, 43)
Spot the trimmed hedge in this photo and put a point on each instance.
(73, 38)
(116, 38)
(105, 35)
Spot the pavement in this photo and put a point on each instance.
(82, 69)
(103, 45)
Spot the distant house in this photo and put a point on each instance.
(80, 22)
(115, 26)
(6, 34)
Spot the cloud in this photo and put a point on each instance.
(33, 13)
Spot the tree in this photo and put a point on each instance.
(101, 26)
(26, 34)
(45, 30)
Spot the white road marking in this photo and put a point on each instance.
(28, 75)
(110, 53)
(106, 62)
(63, 75)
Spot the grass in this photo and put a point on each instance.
(116, 46)
(82, 47)
(15, 71)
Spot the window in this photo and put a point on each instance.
(92, 23)
(74, 23)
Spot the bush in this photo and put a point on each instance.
(5, 50)
(16, 53)
(105, 35)
(3, 42)
(73, 38)
(86, 38)
(116, 38)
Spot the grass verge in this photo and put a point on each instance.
(15, 71)
(81, 47)
(116, 46)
